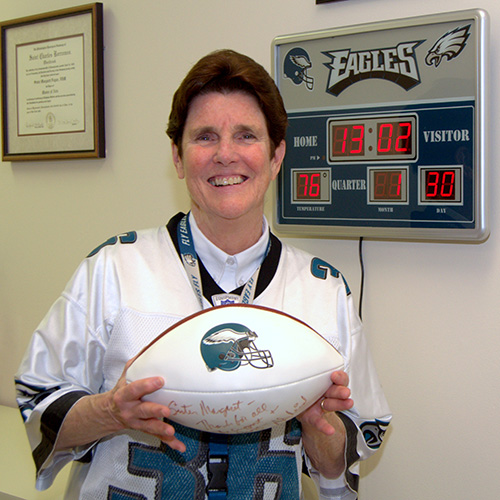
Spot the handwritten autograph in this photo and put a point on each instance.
(241, 415)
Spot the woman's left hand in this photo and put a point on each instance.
(336, 398)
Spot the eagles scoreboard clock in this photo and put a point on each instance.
(387, 129)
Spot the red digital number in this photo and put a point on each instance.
(387, 185)
(348, 140)
(385, 138)
(357, 136)
(308, 186)
(440, 184)
(403, 142)
(394, 138)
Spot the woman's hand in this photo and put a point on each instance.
(336, 398)
(323, 432)
(97, 416)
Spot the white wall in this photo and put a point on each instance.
(431, 310)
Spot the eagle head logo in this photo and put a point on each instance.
(449, 46)
(231, 345)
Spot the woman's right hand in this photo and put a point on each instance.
(96, 416)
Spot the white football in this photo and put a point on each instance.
(237, 368)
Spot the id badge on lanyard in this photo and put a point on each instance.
(191, 265)
(218, 456)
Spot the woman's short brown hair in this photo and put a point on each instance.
(229, 71)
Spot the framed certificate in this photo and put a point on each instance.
(53, 86)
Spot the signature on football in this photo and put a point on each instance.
(240, 415)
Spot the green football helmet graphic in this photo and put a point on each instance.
(231, 345)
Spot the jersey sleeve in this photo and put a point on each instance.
(370, 416)
(62, 363)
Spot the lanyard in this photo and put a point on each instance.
(191, 265)
(217, 456)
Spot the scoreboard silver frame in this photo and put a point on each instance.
(306, 105)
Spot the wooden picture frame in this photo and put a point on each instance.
(52, 85)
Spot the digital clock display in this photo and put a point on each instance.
(311, 185)
(441, 185)
(372, 138)
(387, 185)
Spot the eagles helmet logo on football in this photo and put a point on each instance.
(231, 345)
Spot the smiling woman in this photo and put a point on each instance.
(227, 163)
(227, 128)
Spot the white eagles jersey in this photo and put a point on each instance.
(122, 296)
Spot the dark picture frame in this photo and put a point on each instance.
(52, 85)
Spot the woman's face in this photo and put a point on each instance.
(226, 156)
